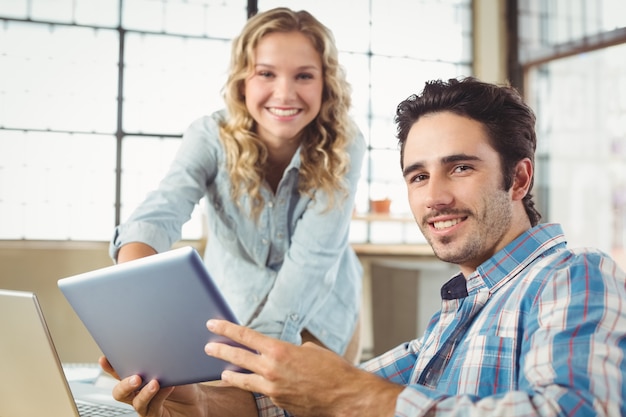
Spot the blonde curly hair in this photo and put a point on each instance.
(324, 157)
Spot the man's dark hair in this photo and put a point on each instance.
(509, 122)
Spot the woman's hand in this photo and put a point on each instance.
(185, 400)
(150, 401)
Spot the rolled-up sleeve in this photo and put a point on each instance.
(159, 219)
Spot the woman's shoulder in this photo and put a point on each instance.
(209, 122)
(356, 144)
(206, 128)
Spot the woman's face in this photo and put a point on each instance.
(284, 92)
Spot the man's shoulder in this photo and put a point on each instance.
(586, 260)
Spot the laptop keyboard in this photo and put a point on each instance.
(87, 409)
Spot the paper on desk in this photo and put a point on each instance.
(82, 372)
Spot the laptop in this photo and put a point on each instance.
(32, 380)
(148, 316)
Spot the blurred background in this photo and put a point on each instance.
(95, 95)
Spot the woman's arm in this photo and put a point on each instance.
(158, 220)
(134, 250)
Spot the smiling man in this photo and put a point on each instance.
(528, 327)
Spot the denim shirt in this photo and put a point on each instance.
(293, 269)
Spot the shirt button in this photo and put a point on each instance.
(293, 317)
(270, 204)
(280, 235)
(265, 241)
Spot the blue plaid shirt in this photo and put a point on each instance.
(537, 330)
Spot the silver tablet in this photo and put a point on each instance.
(148, 316)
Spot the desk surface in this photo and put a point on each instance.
(364, 249)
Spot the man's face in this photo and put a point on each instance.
(454, 183)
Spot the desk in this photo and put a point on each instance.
(401, 286)
(393, 250)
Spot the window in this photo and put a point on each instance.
(94, 96)
(575, 75)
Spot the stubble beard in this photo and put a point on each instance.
(490, 225)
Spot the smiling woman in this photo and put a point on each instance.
(278, 170)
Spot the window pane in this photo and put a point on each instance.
(394, 79)
(51, 85)
(14, 8)
(142, 175)
(84, 12)
(97, 12)
(212, 18)
(386, 179)
(143, 15)
(56, 186)
(581, 124)
(545, 24)
(358, 75)
(383, 135)
(425, 29)
(349, 21)
(187, 18)
(52, 10)
(170, 81)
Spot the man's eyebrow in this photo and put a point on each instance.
(410, 168)
(459, 158)
(450, 159)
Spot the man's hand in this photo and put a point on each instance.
(306, 380)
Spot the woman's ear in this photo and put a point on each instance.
(523, 179)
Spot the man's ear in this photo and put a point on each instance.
(523, 179)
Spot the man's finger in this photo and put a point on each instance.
(240, 334)
(248, 382)
(235, 355)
